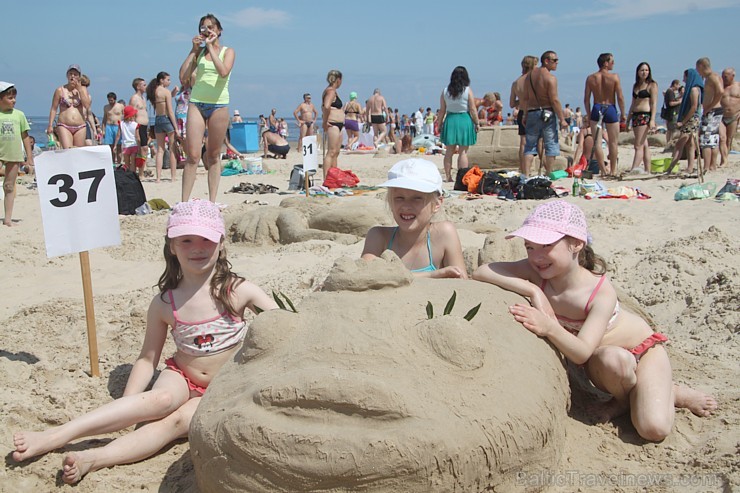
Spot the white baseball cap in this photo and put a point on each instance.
(4, 86)
(415, 174)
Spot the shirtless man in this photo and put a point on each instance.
(542, 111)
(138, 101)
(712, 130)
(305, 114)
(529, 62)
(731, 106)
(112, 116)
(607, 90)
(375, 111)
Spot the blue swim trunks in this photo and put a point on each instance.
(609, 110)
(111, 130)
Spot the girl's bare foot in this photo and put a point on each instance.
(697, 402)
(74, 467)
(30, 444)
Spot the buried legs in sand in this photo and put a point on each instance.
(644, 388)
(168, 409)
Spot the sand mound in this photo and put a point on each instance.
(336, 398)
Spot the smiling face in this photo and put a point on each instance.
(359, 388)
(554, 259)
(413, 210)
(197, 255)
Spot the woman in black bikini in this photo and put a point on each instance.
(72, 99)
(332, 117)
(642, 114)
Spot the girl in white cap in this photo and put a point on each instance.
(575, 307)
(197, 284)
(428, 249)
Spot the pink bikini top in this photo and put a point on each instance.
(208, 336)
(71, 101)
(574, 326)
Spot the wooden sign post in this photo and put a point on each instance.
(79, 209)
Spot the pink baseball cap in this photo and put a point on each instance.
(196, 217)
(550, 221)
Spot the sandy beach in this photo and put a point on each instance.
(679, 260)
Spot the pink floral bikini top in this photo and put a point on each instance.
(574, 326)
(208, 336)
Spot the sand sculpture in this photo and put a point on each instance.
(300, 219)
(360, 391)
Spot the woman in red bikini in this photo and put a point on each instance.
(72, 100)
(575, 307)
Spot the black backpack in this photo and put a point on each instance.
(459, 185)
(129, 190)
(298, 180)
(536, 188)
(495, 183)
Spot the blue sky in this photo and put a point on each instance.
(407, 49)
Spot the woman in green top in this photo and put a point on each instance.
(206, 70)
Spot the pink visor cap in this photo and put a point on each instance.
(196, 217)
(551, 221)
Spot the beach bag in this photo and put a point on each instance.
(339, 178)
(129, 191)
(472, 179)
(459, 185)
(495, 183)
(696, 191)
(297, 179)
(536, 188)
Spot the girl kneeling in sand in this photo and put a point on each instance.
(575, 307)
(197, 284)
(428, 249)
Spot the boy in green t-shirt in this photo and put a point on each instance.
(14, 140)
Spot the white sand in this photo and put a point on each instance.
(678, 259)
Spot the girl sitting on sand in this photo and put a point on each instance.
(197, 284)
(428, 249)
(575, 307)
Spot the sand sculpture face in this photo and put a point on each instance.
(358, 391)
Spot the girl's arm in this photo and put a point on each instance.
(472, 109)
(169, 111)
(251, 296)
(517, 277)
(188, 67)
(442, 108)
(326, 106)
(53, 112)
(222, 67)
(156, 334)
(453, 263)
(375, 243)
(653, 103)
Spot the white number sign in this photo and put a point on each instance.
(310, 154)
(79, 206)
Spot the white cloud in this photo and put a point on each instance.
(253, 17)
(621, 10)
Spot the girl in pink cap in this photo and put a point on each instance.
(575, 307)
(203, 303)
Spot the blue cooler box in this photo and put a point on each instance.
(244, 136)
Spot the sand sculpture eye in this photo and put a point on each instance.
(455, 340)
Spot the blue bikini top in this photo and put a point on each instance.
(428, 268)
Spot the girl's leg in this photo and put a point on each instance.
(78, 139)
(640, 139)
(678, 149)
(462, 157)
(195, 128)
(447, 161)
(159, 160)
(11, 174)
(690, 152)
(132, 447)
(169, 393)
(173, 157)
(65, 137)
(612, 369)
(652, 399)
(333, 142)
(646, 156)
(218, 122)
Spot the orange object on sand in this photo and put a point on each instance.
(472, 179)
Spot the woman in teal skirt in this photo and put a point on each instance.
(459, 119)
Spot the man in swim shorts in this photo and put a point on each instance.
(138, 101)
(529, 62)
(731, 106)
(607, 92)
(543, 111)
(711, 130)
(376, 114)
(305, 114)
(112, 116)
